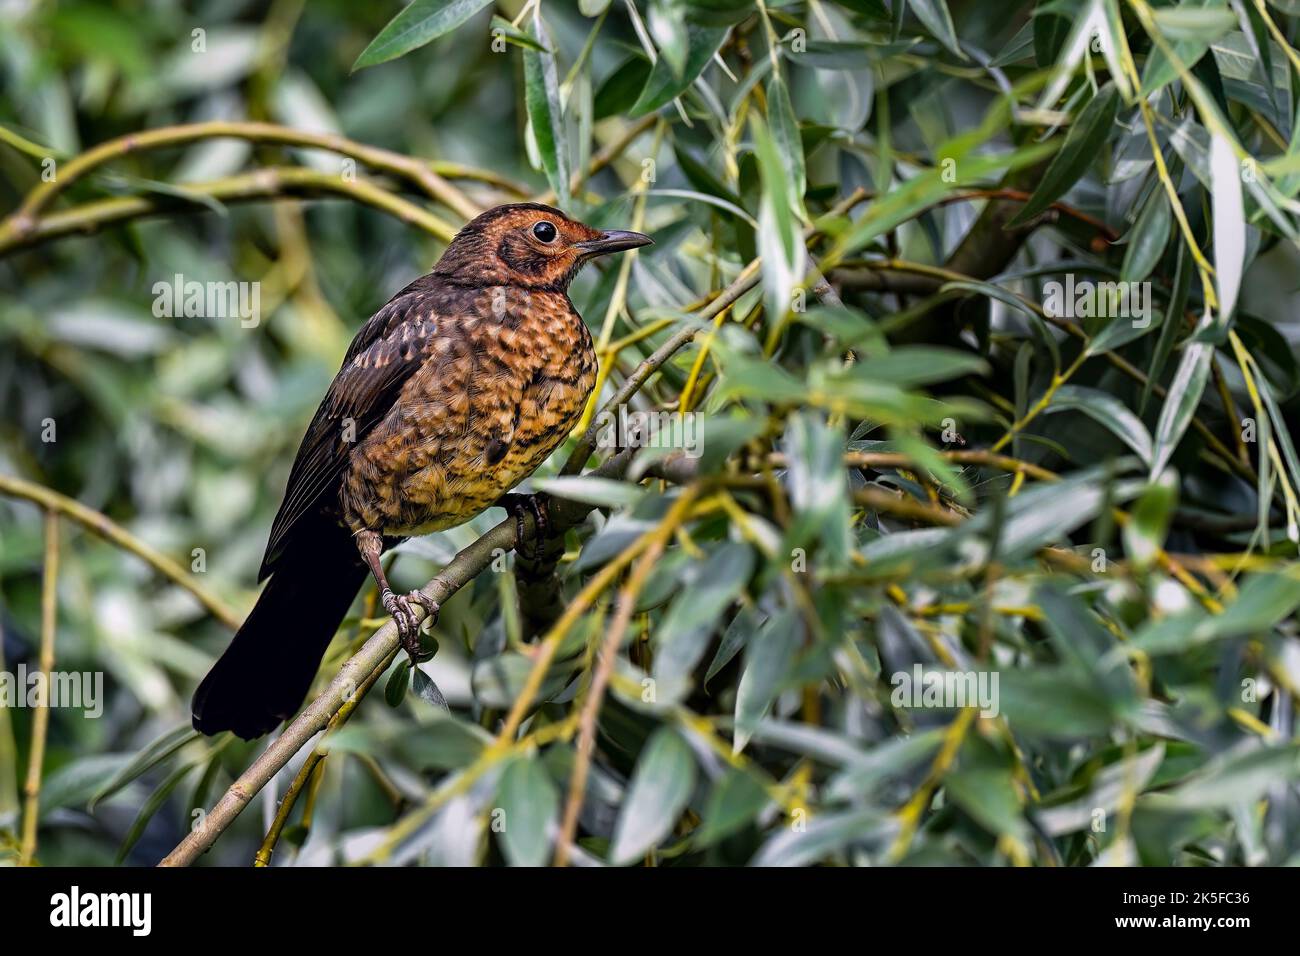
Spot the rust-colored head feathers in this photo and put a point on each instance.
(528, 244)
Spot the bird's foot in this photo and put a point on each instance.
(408, 625)
(518, 506)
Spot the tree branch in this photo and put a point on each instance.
(275, 182)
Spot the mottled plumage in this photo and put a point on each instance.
(450, 395)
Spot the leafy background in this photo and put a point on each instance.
(908, 463)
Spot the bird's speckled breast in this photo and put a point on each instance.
(504, 380)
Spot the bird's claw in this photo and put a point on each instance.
(408, 625)
(535, 505)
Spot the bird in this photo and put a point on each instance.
(449, 396)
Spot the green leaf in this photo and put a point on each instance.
(989, 795)
(779, 238)
(620, 89)
(1263, 601)
(1229, 225)
(912, 365)
(149, 808)
(936, 18)
(826, 834)
(667, 22)
(1082, 146)
(601, 492)
(512, 34)
(657, 794)
(427, 690)
(1105, 793)
(785, 134)
(1148, 239)
(1237, 778)
(1181, 402)
(542, 100)
(664, 85)
(734, 801)
(1144, 533)
(888, 760)
(1173, 321)
(1106, 410)
(155, 752)
(1191, 31)
(422, 21)
(398, 682)
(683, 634)
(530, 803)
(767, 656)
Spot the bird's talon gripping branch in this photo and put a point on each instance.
(535, 505)
(408, 626)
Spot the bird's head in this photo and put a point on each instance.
(528, 244)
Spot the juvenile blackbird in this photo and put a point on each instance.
(449, 395)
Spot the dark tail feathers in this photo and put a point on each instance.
(266, 671)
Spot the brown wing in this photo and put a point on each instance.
(384, 354)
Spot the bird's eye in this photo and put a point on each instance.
(544, 231)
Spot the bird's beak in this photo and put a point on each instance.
(614, 241)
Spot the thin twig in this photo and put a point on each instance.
(41, 719)
(627, 599)
(275, 182)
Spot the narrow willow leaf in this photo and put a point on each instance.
(667, 23)
(149, 808)
(1229, 225)
(542, 100)
(425, 688)
(1082, 146)
(1190, 40)
(779, 238)
(934, 15)
(1095, 18)
(1007, 297)
(421, 22)
(989, 795)
(1106, 410)
(159, 749)
(660, 786)
(682, 637)
(663, 85)
(1241, 777)
(398, 683)
(1173, 321)
(529, 802)
(785, 134)
(1181, 402)
(1144, 533)
(601, 492)
(1106, 791)
(1264, 601)
(767, 656)
(734, 801)
(512, 34)
(1148, 239)
(887, 760)
(825, 835)
(1122, 331)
